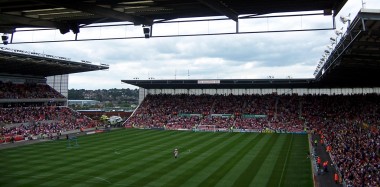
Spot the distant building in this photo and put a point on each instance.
(83, 102)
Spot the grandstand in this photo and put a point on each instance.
(30, 106)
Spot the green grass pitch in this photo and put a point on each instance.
(133, 157)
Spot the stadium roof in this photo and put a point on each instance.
(239, 84)
(19, 62)
(222, 83)
(355, 60)
(72, 14)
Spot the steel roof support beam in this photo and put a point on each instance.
(98, 10)
(28, 21)
(219, 7)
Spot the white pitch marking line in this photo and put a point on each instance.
(105, 180)
(286, 160)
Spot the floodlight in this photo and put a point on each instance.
(146, 32)
(327, 52)
(339, 32)
(332, 39)
(75, 28)
(5, 39)
(345, 19)
(329, 46)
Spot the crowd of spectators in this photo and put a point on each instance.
(229, 104)
(220, 122)
(163, 110)
(177, 122)
(355, 151)
(350, 125)
(41, 121)
(35, 118)
(9, 90)
(223, 111)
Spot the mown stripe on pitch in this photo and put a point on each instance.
(201, 149)
(113, 168)
(201, 163)
(57, 169)
(59, 164)
(82, 164)
(249, 173)
(215, 177)
(47, 144)
(91, 162)
(113, 138)
(298, 171)
(49, 157)
(262, 176)
(141, 165)
(286, 167)
(27, 166)
(45, 150)
(168, 163)
(127, 134)
(278, 169)
(240, 166)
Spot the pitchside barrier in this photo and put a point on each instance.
(17, 138)
(212, 128)
(313, 159)
(206, 128)
(8, 138)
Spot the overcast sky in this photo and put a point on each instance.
(240, 56)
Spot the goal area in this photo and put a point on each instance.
(205, 128)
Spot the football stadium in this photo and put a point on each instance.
(317, 132)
